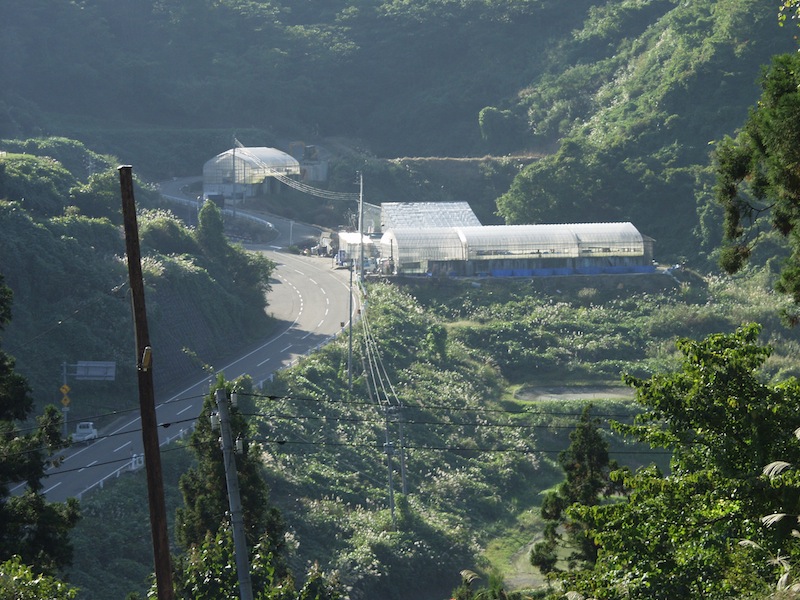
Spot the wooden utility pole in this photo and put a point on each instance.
(144, 364)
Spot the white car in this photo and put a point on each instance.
(84, 432)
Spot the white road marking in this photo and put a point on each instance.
(87, 466)
(50, 489)
(123, 445)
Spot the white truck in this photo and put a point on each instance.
(84, 432)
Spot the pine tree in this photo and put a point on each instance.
(586, 466)
(204, 490)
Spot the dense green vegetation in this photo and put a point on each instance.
(757, 175)
(32, 530)
(481, 447)
(594, 111)
(62, 254)
(627, 96)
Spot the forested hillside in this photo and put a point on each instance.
(560, 112)
(62, 255)
(628, 96)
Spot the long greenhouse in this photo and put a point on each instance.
(518, 250)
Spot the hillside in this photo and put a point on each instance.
(531, 110)
(492, 379)
(626, 97)
(63, 256)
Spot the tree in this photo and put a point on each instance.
(210, 231)
(31, 527)
(20, 582)
(758, 174)
(677, 534)
(789, 7)
(205, 571)
(207, 568)
(586, 466)
(204, 489)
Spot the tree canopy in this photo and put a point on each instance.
(586, 466)
(677, 535)
(31, 527)
(758, 174)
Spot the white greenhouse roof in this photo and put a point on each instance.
(427, 214)
(512, 241)
(439, 243)
(352, 237)
(249, 165)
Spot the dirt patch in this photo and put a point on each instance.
(521, 575)
(576, 392)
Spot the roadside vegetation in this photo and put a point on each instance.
(481, 444)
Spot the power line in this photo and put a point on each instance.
(297, 185)
(81, 306)
(410, 421)
(376, 446)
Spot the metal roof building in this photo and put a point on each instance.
(427, 215)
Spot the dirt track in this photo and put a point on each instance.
(583, 392)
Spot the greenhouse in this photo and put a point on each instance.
(241, 173)
(518, 250)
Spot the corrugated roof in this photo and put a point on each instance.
(396, 215)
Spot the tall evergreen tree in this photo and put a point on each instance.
(758, 177)
(30, 527)
(587, 467)
(204, 489)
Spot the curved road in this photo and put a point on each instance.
(310, 301)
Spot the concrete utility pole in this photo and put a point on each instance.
(389, 449)
(147, 407)
(350, 336)
(234, 500)
(361, 225)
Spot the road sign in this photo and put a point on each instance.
(65, 400)
(96, 370)
(65, 389)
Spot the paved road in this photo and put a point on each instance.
(310, 301)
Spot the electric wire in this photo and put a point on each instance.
(297, 185)
(81, 306)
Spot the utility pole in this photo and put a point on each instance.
(396, 412)
(389, 448)
(361, 224)
(234, 500)
(403, 477)
(144, 361)
(350, 336)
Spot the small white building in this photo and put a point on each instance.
(241, 173)
(349, 242)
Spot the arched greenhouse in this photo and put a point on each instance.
(518, 250)
(241, 173)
